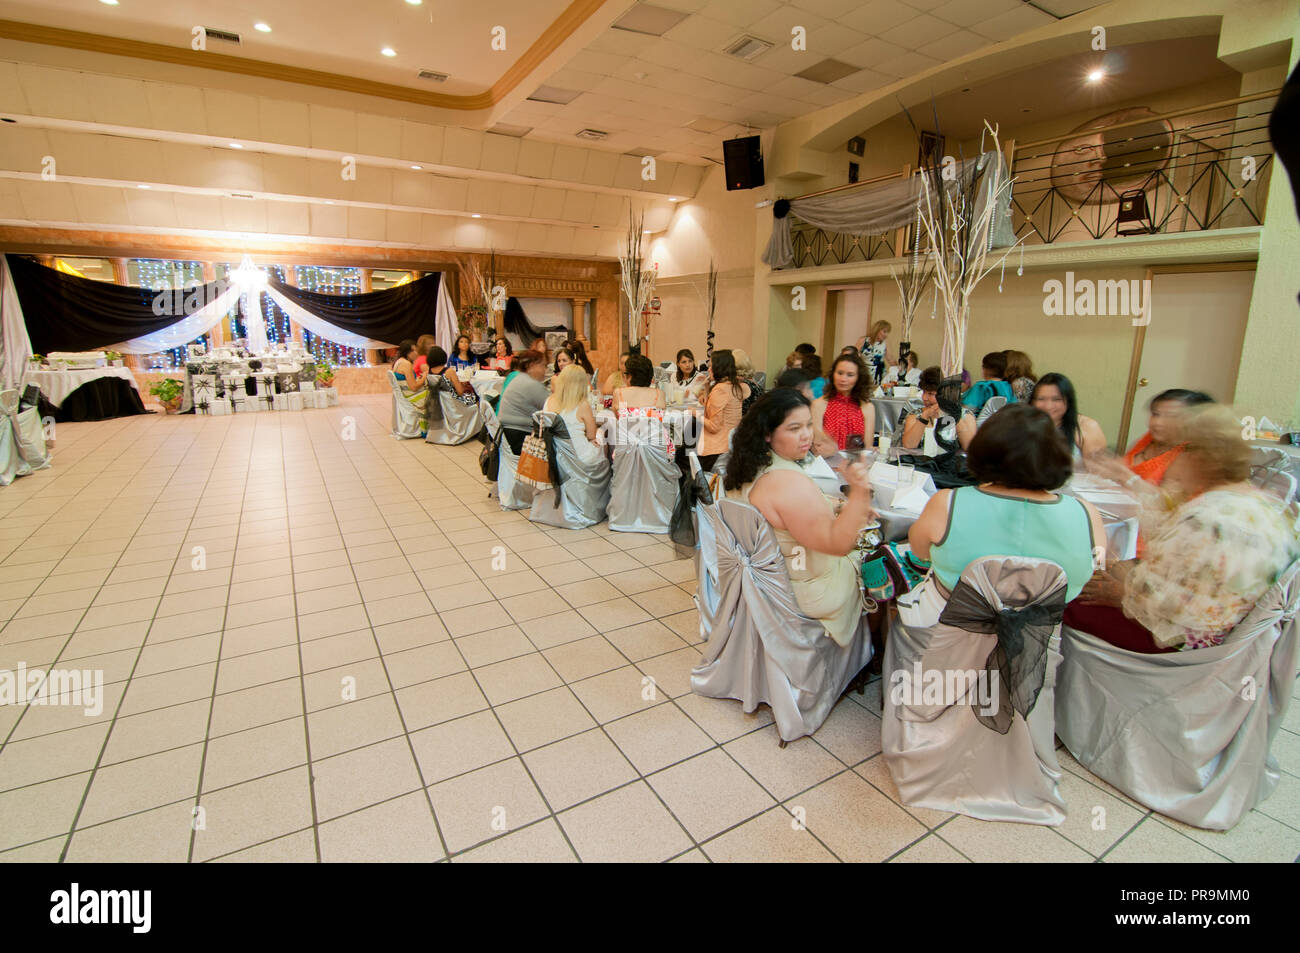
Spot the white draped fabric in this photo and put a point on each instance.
(870, 210)
(317, 326)
(15, 345)
(445, 322)
(187, 329)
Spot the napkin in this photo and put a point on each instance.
(911, 499)
(819, 469)
(879, 392)
(883, 473)
(1266, 424)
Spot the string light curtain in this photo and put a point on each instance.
(158, 274)
(335, 281)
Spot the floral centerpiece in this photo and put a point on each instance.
(324, 372)
(168, 391)
(36, 360)
(114, 358)
(473, 321)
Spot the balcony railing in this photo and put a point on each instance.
(1199, 169)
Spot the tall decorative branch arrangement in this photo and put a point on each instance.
(712, 307)
(958, 229)
(913, 280)
(637, 280)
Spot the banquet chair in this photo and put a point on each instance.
(1186, 734)
(644, 489)
(581, 498)
(408, 414)
(511, 494)
(1280, 483)
(451, 422)
(760, 378)
(491, 422)
(983, 743)
(12, 464)
(705, 516)
(29, 433)
(763, 649)
(991, 407)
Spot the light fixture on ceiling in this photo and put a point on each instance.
(746, 47)
(415, 3)
(417, 168)
(649, 20)
(432, 75)
(235, 145)
(674, 198)
(388, 51)
(476, 215)
(109, 3)
(329, 201)
(261, 28)
(144, 186)
(1096, 76)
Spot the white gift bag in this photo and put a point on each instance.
(280, 402)
(293, 401)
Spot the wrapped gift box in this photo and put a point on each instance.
(293, 401)
(280, 402)
(306, 386)
(219, 407)
(321, 399)
(332, 395)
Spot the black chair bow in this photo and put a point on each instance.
(552, 427)
(1020, 657)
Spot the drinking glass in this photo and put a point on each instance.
(906, 474)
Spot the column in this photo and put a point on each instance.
(579, 320)
(218, 333)
(291, 278)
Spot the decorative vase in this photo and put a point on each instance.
(172, 406)
(904, 347)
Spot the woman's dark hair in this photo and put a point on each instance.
(640, 372)
(805, 349)
(1070, 422)
(750, 451)
(861, 393)
(794, 377)
(1020, 447)
(995, 361)
(579, 352)
(812, 363)
(677, 374)
(849, 349)
(506, 341)
(466, 339)
(724, 369)
(524, 360)
(404, 349)
(913, 360)
(437, 357)
(555, 365)
(931, 379)
(1188, 398)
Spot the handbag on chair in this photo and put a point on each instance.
(534, 464)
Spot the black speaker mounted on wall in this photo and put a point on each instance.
(744, 163)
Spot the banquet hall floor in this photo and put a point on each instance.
(376, 664)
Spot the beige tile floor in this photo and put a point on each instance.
(377, 664)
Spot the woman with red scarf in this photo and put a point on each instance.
(845, 410)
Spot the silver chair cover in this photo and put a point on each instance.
(584, 494)
(408, 418)
(763, 649)
(12, 463)
(491, 423)
(991, 407)
(644, 488)
(940, 755)
(451, 422)
(511, 494)
(1186, 733)
(708, 591)
(31, 438)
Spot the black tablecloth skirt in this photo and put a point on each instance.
(101, 399)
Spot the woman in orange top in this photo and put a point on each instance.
(1160, 445)
(722, 408)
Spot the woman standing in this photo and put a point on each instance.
(846, 409)
(462, 358)
(1054, 395)
(872, 348)
(722, 408)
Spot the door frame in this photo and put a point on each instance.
(1140, 335)
(830, 316)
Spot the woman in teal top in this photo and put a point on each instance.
(1018, 456)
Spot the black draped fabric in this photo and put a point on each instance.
(1284, 130)
(67, 313)
(517, 323)
(1020, 656)
(101, 399)
(392, 315)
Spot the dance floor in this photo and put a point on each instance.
(374, 663)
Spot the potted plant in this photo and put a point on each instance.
(168, 391)
(36, 360)
(474, 321)
(114, 358)
(324, 372)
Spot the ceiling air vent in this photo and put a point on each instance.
(747, 47)
(241, 195)
(592, 134)
(224, 35)
(432, 76)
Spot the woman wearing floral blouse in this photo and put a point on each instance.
(1214, 545)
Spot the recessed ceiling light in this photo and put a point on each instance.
(476, 215)
(1096, 76)
(261, 28)
(674, 198)
(417, 168)
(415, 3)
(329, 201)
(110, 3)
(235, 145)
(144, 186)
(388, 51)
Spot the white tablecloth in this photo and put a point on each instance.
(486, 386)
(1119, 511)
(57, 385)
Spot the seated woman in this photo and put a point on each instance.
(1054, 395)
(404, 369)
(796, 378)
(745, 371)
(1213, 545)
(1018, 457)
(812, 366)
(1151, 456)
(568, 399)
(907, 372)
(994, 366)
(619, 378)
(686, 381)
(765, 472)
(640, 391)
(442, 374)
(461, 357)
(846, 409)
(1020, 374)
(501, 355)
(422, 345)
(563, 358)
(722, 408)
(579, 352)
(938, 400)
(522, 395)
